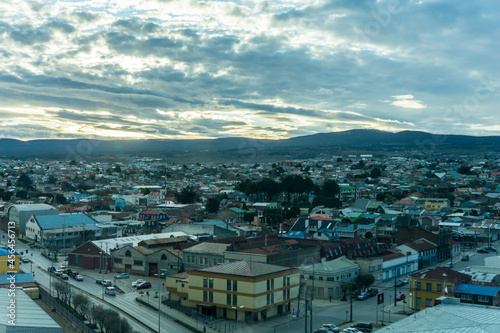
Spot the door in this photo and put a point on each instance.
(153, 269)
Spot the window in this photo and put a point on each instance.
(228, 299)
(163, 257)
(483, 299)
(118, 260)
(419, 285)
(228, 285)
(200, 261)
(235, 300)
(127, 253)
(268, 299)
(320, 278)
(138, 262)
(205, 294)
(211, 297)
(211, 283)
(311, 277)
(330, 279)
(428, 302)
(466, 297)
(439, 288)
(205, 282)
(288, 280)
(428, 286)
(235, 285)
(419, 302)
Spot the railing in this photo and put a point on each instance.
(65, 311)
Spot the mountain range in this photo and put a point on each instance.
(363, 141)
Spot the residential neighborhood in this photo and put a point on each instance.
(255, 243)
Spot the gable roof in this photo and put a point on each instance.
(66, 220)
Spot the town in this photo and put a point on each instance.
(339, 243)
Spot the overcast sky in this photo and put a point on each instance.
(262, 69)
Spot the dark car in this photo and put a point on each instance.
(490, 249)
(363, 327)
(372, 292)
(465, 257)
(74, 274)
(99, 281)
(363, 296)
(400, 283)
(482, 251)
(144, 285)
(51, 269)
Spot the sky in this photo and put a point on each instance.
(160, 69)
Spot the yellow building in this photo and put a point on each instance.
(435, 204)
(8, 262)
(425, 287)
(252, 291)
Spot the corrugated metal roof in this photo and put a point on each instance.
(68, 220)
(476, 290)
(243, 268)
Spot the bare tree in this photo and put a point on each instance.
(81, 303)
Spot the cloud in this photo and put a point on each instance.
(270, 69)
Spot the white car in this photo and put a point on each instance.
(137, 282)
(351, 330)
(331, 327)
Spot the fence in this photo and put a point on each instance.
(202, 320)
(65, 312)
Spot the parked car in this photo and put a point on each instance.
(122, 276)
(58, 272)
(482, 251)
(363, 327)
(363, 296)
(99, 281)
(351, 330)
(400, 297)
(490, 249)
(399, 283)
(406, 280)
(64, 276)
(79, 277)
(107, 283)
(51, 269)
(322, 330)
(68, 271)
(25, 259)
(330, 328)
(110, 291)
(144, 285)
(372, 292)
(137, 282)
(465, 257)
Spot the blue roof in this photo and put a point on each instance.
(20, 278)
(293, 234)
(476, 290)
(69, 220)
(5, 251)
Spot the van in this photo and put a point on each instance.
(110, 291)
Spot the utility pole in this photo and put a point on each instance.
(395, 275)
(350, 286)
(305, 311)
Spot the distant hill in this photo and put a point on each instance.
(243, 149)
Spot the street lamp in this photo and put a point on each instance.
(159, 300)
(237, 308)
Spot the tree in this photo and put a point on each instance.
(60, 199)
(81, 304)
(368, 235)
(212, 205)
(186, 196)
(365, 280)
(24, 181)
(330, 188)
(375, 173)
(22, 194)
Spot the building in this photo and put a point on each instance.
(473, 294)
(90, 256)
(60, 230)
(29, 317)
(145, 261)
(425, 249)
(20, 214)
(449, 316)
(9, 262)
(397, 265)
(430, 284)
(204, 255)
(409, 234)
(325, 278)
(250, 290)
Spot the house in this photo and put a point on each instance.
(396, 264)
(473, 294)
(326, 277)
(408, 234)
(203, 255)
(430, 284)
(425, 249)
(243, 290)
(9, 261)
(152, 217)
